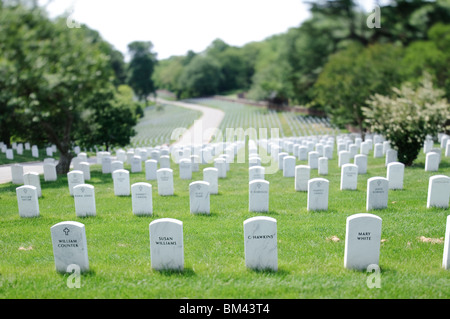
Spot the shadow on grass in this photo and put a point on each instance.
(269, 272)
(186, 272)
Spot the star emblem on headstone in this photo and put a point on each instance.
(25, 190)
(66, 231)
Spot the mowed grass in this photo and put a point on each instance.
(310, 264)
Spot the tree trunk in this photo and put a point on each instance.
(63, 166)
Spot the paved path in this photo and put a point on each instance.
(199, 133)
(203, 129)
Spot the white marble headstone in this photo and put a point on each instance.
(33, 178)
(85, 167)
(199, 197)
(121, 178)
(185, 166)
(84, 197)
(50, 172)
(164, 161)
(378, 150)
(69, 245)
(446, 257)
(74, 178)
(151, 166)
(136, 164)
(165, 181)
(27, 201)
(391, 156)
(432, 162)
(17, 174)
(349, 177)
(377, 193)
(220, 164)
(361, 162)
(302, 176)
(343, 158)
(256, 172)
(302, 153)
(106, 164)
(395, 173)
(141, 198)
(289, 166)
(260, 243)
(362, 241)
(211, 176)
(115, 165)
(438, 191)
(258, 196)
(313, 159)
(323, 166)
(318, 194)
(166, 244)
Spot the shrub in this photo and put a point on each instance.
(406, 118)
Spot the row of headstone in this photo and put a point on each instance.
(362, 243)
(19, 148)
(199, 191)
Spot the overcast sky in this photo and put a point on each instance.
(177, 26)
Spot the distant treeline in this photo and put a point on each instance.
(334, 61)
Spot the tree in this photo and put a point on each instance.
(141, 67)
(56, 78)
(351, 76)
(407, 117)
(201, 77)
(111, 123)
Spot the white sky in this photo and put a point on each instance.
(177, 26)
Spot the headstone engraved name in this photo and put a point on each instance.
(438, 191)
(349, 177)
(69, 245)
(302, 175)
(199, 198)
(377, 193)
(165, 181)
(166, 244)
(141, 199)
(317, 194)
(74, 178)
(27, 201)
(84, 197)
(121, 178)
(362, 241)
(258, 194)
(260, 242)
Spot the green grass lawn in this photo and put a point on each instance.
(310, 264)
(26, 157)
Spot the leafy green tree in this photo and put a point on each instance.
(351, 76)
(56, 78)
(201, 77)
(140, 68)
(407, 117)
